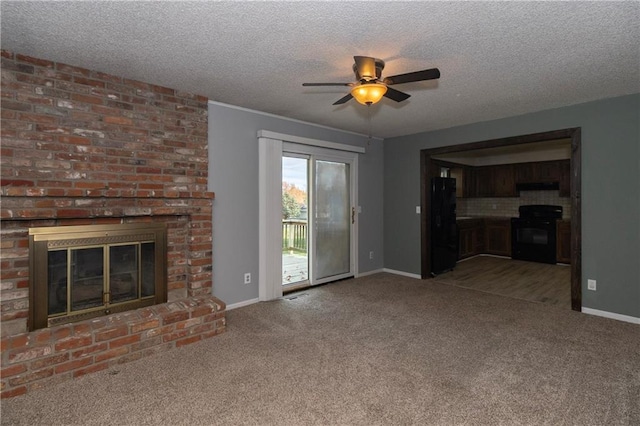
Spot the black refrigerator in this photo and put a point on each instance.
(444, 231)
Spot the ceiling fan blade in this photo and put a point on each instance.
(396, 95)
(365, 67)
(430, 74)
(327, 84)
(343, 100)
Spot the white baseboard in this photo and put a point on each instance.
(364, 274)
(404, 274)
(619, 317)
(243, 303)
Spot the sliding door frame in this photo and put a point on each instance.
(271, 147)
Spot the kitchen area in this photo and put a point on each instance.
(512, 210)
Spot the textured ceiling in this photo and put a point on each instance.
(497, 59)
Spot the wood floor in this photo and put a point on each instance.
(533, 281)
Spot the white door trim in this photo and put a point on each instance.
(308, 141)
(270, 222)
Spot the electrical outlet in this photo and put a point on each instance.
(370, 255)
(418, 209)
(591, 285)
(247, 278)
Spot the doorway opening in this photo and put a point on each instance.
(574, 135)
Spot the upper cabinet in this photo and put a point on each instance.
(501, 180)
(539, 172)
(458, 174)
(546, 172)
(482, 181)
(462, 174)
(493, 181)
(504, 181)
(523, 172)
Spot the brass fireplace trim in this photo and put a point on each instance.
(41, 240)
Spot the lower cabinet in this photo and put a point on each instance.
(465, 243)
(498, 236)
(471, 241)
(493, 236)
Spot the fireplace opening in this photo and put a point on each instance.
(81, 272)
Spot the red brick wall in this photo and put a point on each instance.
(80, 147)
(48, 356)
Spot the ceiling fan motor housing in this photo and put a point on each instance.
(379, 66)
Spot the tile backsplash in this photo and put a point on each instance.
(508, 207)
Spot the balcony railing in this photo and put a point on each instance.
(294, 235)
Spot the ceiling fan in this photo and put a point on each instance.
(371, 87)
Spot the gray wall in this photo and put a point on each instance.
(610, 192)
(233, 176)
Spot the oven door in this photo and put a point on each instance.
(533, 239)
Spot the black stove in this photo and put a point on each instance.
(533, 234)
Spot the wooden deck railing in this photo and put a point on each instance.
(294, 235)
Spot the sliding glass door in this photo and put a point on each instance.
(318, 216)
(333, 222)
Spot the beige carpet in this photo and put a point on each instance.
(378, 350)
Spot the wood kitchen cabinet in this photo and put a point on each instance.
(547, 171)
(483, 181)
(465, 243)
(471, 237)
(539, 172)
(563, 241)
(523, 172)
(503, 181)
(494, 181)
(469, 182)
(465, 182)
(498, 236)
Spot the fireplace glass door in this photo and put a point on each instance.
(95, 273)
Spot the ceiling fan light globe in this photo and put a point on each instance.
(369, 93)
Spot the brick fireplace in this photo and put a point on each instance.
(80, 147)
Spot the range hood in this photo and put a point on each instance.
(538, 186)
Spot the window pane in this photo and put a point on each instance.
(123, 276)
(148, 269)
(333, 222)
(57, 265)
(87, 278)
(295, 233)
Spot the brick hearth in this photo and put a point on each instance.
(82, 147)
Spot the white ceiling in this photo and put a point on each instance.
(497, 59)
